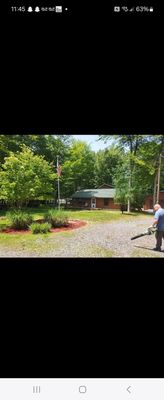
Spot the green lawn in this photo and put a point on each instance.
(42, 243)
(90, 216)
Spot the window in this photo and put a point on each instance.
(106, 202)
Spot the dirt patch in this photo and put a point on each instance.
(71, 225)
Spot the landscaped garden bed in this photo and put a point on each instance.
(21, 221)
(72, 224)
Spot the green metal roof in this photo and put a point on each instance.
(97, 193)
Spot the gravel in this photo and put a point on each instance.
(98, 240)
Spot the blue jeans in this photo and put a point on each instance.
(159, 235)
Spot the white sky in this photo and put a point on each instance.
(92, 140)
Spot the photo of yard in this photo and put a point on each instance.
(60, 198)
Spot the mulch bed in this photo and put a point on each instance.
(72, 225)
(8, 230)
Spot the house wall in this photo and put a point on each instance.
(111, 204)
(149, 201)
(81, 203)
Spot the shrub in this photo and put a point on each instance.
(40, 228)
(19, 220)
(56, 218)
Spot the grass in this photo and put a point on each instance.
(94, 216)
(98, 251)
(145, 254)
(41, 244)
(37, 245)
(90, 216)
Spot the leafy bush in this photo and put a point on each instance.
(19, 220)
(56, 218)
(40, 228)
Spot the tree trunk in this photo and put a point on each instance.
(130, 184)
(129, 207)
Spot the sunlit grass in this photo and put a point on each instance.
(42, 244)
(87, 215)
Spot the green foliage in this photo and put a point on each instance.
(25, 177)
(28, 166)
(121, 182)
(106, 163)
(56, 218)
(78, 169)
(19, 220)
(132, 185)
(48, 146)
(7, 144)
(134, 175)
(40, 228)
(131, 142)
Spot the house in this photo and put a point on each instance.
(102, 198)
(149, 201)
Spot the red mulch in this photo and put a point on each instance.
(14, 231)
(72, 225)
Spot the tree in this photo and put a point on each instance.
(149, 153)
(121, 182)
(78, 169)
(131, 145)
(140, 183)
(25, 176)
(159, 173)
(46, 145)
(7, 143)
(106, 163)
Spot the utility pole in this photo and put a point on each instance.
(155, 188)
(158, 178)
(157, 181)
(58, 182)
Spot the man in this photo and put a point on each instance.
(159, 223)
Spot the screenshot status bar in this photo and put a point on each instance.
(83, 10)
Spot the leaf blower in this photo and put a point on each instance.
(150, 231)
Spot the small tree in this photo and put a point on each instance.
(24, 177)
(121, 182)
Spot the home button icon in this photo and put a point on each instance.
(82, 389)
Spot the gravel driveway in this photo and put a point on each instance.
(96, 240)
